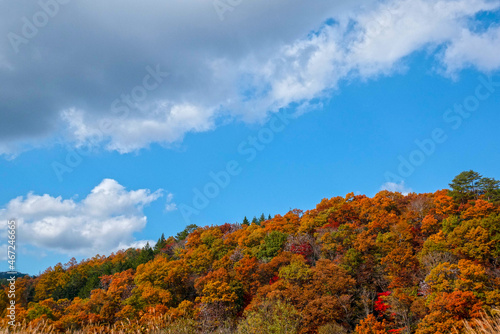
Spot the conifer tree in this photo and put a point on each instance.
(245, 221)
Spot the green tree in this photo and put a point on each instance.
(160, 244)
(272, 244)
(490, 188)
(146, 254)
(271, 317)
(246, 221)
(184, 234)
(465, 186)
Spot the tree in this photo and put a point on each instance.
(262, 218)
(447, 312)
(370, 325)
(245, 221)
(490, 188)
(465, 186)
(471, 185)
(421, 263)
(184, 234)
(273, 243)
(275, 317)
(160, 244)
(146, 254)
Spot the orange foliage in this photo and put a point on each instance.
(420, 263)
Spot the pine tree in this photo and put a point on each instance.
(471, 185)
(245, 221)
(184, 234)
(160, 244)
(490, 188)
(146, 254)
(465, 186)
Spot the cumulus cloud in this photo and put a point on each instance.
(104, 221)
(479, 50)
(396, 187)
(99, 75)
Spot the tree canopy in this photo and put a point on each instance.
(394, 263)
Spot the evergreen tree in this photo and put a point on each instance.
(146, 255)
(465, 186)
(245, 221)
(255, 221)
(490, 188)
(160, 244)
(184, 234)
(262, 218)
(471, 185)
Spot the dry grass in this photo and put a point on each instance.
(43, 327)
(486, 325)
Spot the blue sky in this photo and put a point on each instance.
(332, 108)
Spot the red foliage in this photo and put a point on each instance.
(274, 279)
(225, 228)
(380, 305)
(304, 249)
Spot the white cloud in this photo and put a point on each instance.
(135, 244)
(170, 205)
(396, 187)
(479, 50)
(396, 29)
(242, 68)
(166, 124)
(103, 221)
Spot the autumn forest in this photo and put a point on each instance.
(417, 263)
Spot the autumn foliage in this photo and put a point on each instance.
(421, 263)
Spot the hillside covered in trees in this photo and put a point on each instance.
(421, 263)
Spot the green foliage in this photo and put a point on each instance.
(297, 271)
(146, 255)
(271, 245)
(184, 234)
(36, 311)
(465, 186)
(490, 189)
(246, 221)
(352, 260)
(271, 318)
(477, 239)
(450, 223)
(390, 263)
(470, 185)
(160, 244)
